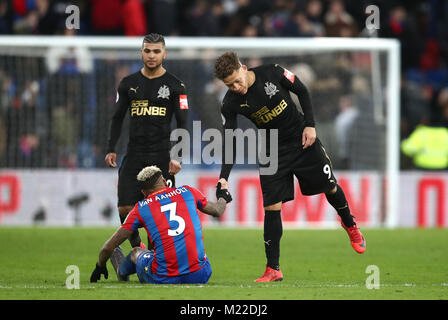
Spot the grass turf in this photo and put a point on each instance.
(316, 264)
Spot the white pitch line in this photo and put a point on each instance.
(147, 286)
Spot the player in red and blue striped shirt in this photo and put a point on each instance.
(171, 219)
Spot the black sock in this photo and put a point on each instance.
(273, 230)
(338, 201)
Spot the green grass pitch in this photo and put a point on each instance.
(316, 264)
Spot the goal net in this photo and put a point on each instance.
(57, 95)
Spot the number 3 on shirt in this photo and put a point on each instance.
(171, 207)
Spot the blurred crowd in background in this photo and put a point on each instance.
(39, 128)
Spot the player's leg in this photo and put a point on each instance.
(129, 192)
(276, 188)
(135, 254)
(314, 171)
(118, 259)
(200, 276)
(272, 233)
(142, 260)
(128, 264)
(336, 198)
(134, 238)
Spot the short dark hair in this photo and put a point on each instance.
(226, 64)
(154, 38)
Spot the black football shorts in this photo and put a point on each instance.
(312, 168)
(129, 190)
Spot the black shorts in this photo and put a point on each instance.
(312, 168)
(129, 191)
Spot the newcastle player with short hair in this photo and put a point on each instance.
(262, 94)
(151, 96)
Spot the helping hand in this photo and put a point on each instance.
(222, 190)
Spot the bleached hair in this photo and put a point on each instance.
(147, 173)
(148, 177)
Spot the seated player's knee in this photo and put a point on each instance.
(135, 253)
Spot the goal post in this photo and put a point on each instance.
(317, 53)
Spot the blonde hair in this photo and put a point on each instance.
(148, 176)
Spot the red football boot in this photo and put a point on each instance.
(356, 238)
(270, 275)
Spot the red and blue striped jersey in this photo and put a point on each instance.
(170, 217)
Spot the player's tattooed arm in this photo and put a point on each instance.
(108, 248)
(215, 209)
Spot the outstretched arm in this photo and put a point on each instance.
(229, 145)
(215, 209)
(108, 248)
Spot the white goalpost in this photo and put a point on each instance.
(333, 67)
